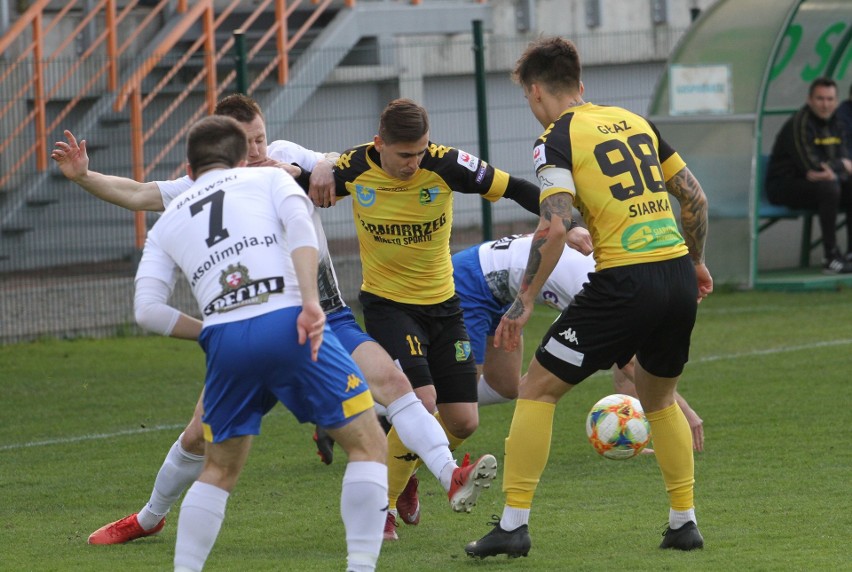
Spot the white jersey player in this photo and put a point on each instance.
(503, 263)
(286, 152)
(487, 278)
(244, 240)
(417, 428)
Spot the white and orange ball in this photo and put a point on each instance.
(617, 427)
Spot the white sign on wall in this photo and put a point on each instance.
(700, 89)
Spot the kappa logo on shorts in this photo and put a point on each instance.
(353, 382)
(569, 335)
(462, 350)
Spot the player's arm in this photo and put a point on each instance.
(155, 281)
(294, 212)
(524, 193)
(73, 162)
(322, 186)
(348, 167)
(548, 242)
(153, 313)
(693, 216)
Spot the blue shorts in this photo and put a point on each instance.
(347, 330)
(482, 312)
(252, 364)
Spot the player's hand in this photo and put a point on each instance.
(71, 157)
(705, 281)
(696, 425)
(508, 333)
(310, 324)
(321, 190)
(580, 239)
(823, 174)
(292, 170)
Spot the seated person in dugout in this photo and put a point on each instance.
(810, 169)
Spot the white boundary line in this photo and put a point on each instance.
(92, 437)
(706, 359)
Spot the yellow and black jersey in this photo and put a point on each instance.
(616, 165)
(403, 227)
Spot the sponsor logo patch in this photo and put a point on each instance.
(428, 195)
(480, 175)
(650, 236)
(239, 290)
(462, 350)
(365, 195)
(538, 156)
(468, 161)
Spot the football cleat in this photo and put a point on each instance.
(122, 531)
(408, 503)
(513, 543)
(325, 445)
(390, 528)
(686, 537)
(470, 480)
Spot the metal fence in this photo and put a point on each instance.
(80, 254)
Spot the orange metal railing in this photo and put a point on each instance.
(103, 57)
(33, 54)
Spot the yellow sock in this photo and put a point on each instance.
(673, 448)
(527, 450)
(401, 463)
(455, 442)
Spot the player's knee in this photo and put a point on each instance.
(464, 427)
(388, 384)
(192, 439)
(429, 403)
(364, 439)
(508, 391)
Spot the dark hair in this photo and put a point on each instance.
(215, 140)
(551, 61)
(403, 120)
(821, 82)
(241, 107)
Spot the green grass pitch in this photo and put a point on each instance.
(85, 425)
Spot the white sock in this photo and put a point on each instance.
(363, 507)
(678, 518)
(514, 517)
(486, 394)
(423, 435)
(201, 516)
(178, 471)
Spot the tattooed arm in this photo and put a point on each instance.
(693, 217)
(548, 242)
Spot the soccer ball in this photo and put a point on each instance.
(617, 427)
